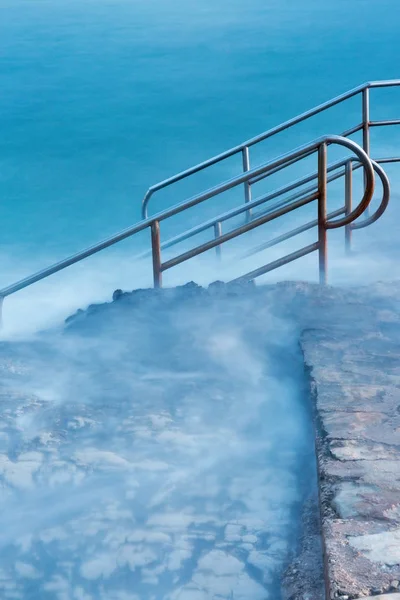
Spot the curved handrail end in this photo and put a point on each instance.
(384, 202)
(369, 182)
(145, 202)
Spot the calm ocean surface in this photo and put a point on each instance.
(100, 99)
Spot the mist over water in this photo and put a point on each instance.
(162, 450)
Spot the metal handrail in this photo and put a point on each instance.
(349, 168)
(153, 223)
(243, 148)
(248, 177)
(323, 222)
(217, 221)
(383, 204)
(234, 212)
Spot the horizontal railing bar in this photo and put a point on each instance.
(235, 232)
(63, 264)
(302, 193)
(250, 176)
(314, 223)
(308, 179)
(346, 133)
(277, 169)
(330, 179)
(146, 223)
(262, 200)
(251, 142)
(352, 130)
(280, 262)
(286, 236)
(268, 167)
(253, 204)
(384, 123)
(267, 134)
(312, 176)
(292, 156)
(233, 182)
(391, 159)
(234, 212)
(384, 83)
(298, 153)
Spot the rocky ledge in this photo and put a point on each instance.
(350, 339)
(351, 344)
(354, 364)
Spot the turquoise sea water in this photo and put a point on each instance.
(100, 99)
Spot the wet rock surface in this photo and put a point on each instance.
(303, 579)
(354, 362)
(160, 447)
(350, 340)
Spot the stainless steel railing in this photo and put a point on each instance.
(347, 172)
(365, 125)
(282, 208)
(324, 220)
(342, 168)
(343, 217)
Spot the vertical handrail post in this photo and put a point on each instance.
(247, 184)
(348, 199)
(322, 211)
(217, 234)
(156, 253)
(366, 128)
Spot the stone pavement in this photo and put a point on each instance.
(351, 346)
(350, 340)
(156, 448)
